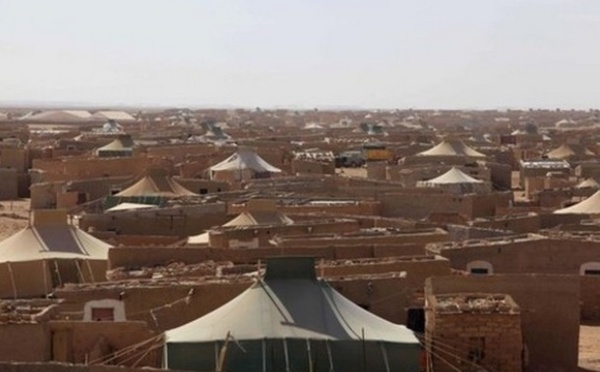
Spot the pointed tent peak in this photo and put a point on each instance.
(119, 143)
(454, 175)
(157, 183)
(49, 217)
(245, 158)
(290, 267)
(451, 146)
(588, 183)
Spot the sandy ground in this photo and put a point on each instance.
(589, 347)
(14, 216)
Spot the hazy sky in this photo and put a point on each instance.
(392, 54)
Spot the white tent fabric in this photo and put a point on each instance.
(590, 205)
(57, 116)
(113, 115)
(199, 239)
(247, 219)
(452, 148)
(155, 186)
(115, 145)
(129, 206)
(568, 151)
(55, 241)
(588, 183)
(453, 176)
(244, 159)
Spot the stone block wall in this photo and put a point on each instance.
(470, 340)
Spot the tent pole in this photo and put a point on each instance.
(329, 356)
(45, 272)
(287, 357)
(264, 355)
(223, 352)
(57, 273)
(216, 356)
(385, 357)
(364, 349)
(310, 362)
(81, 277)
(89, 266)
(12, 279)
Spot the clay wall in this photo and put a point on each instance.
(9, 184)
(80, 342)
(417, 269)
(552, 345)
(517, 224)
(418, 237)
(461, 233)
(24, 342)
(183, 222)
(260, 236)
(136, 257)
(17, 158)
(200, 186)
(559, 198)
(590, 298)
(421, 205)
(362, 208)
(299, 166)
(490, 340)
(547, 256)
(67, 169)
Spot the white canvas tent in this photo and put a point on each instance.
(48, 253)
(156, 188)
(588, 183)
(120, 147)
(59, 116)
(113, 115)
(452, 148)
(155, 184)
(457, 181)
(590, 205)
(251, 218)
(566, 151)
(129, 206)
(243, 165)
(291, 321)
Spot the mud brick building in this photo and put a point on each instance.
(473, 331)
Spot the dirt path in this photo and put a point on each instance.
(589, 347)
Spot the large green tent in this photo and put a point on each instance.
(291, 321)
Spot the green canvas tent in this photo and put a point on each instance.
(291, 321)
